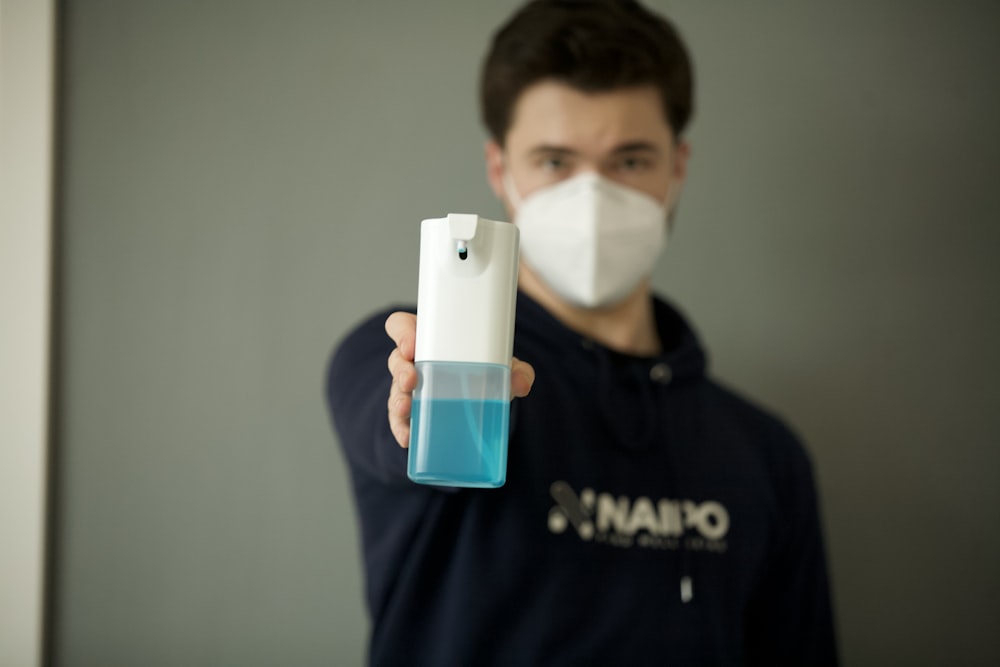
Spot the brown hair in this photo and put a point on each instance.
(591, 45)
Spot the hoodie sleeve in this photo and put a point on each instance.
(790, 619)
(357, 391)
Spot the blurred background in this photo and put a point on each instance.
(239, 182)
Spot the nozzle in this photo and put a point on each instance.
(462, 227)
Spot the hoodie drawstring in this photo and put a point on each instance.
(654, 429)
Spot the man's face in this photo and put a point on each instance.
(558, 132)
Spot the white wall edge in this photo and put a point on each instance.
(27, 59)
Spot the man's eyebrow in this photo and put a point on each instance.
(635, 146)
(626, 147)
(551, 149)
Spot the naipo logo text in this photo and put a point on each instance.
(622, 521)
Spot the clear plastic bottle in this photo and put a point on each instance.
(459, 424)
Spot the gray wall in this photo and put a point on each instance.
(242, 181)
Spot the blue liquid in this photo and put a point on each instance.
(459, 442)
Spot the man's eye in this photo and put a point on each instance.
(633, 163)
(553, 163)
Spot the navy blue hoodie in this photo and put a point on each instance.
(649, 517)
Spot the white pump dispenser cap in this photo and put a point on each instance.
(467, 290)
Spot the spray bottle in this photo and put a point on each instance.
(466, 295)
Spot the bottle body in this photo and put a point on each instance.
(466, 298)
(459, 424)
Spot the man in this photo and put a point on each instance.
(650, 516)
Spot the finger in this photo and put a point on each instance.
(402, 329)
(522, 377)
(399, 417)
(399, 403)
(404, 373)
(401, 432)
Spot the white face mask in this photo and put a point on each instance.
(590, 239)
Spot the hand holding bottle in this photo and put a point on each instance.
(402, 328)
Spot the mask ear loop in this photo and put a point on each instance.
(511, 190)
(670, 204)
(673, 194)
(668, 201)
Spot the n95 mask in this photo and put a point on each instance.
(590, 239)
